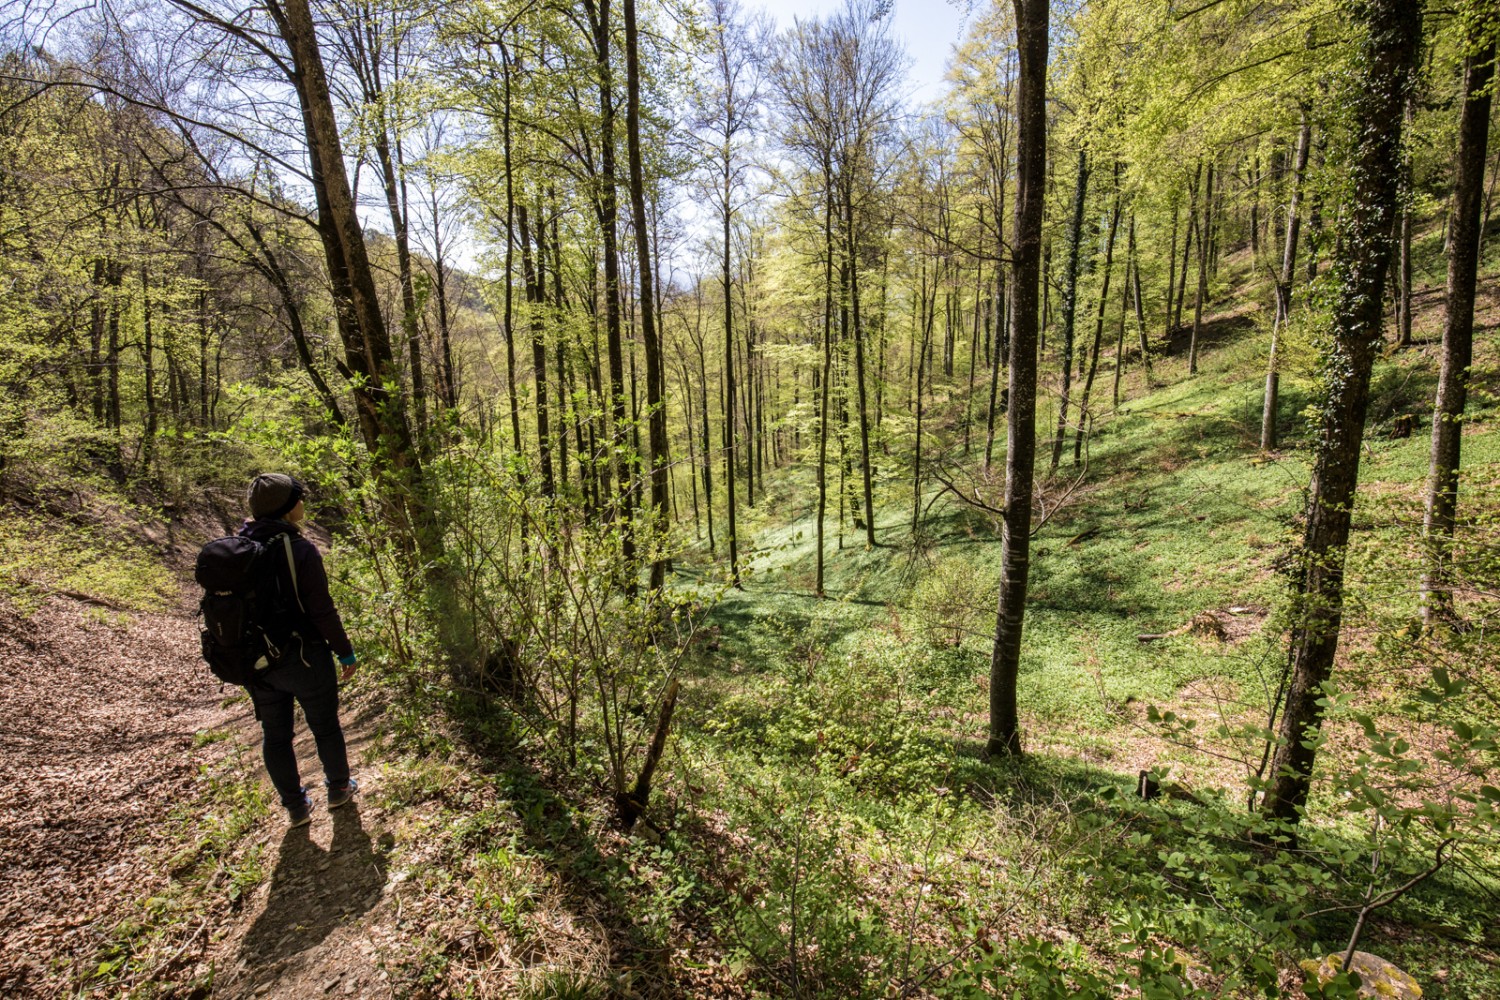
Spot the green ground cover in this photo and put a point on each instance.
(844, 735)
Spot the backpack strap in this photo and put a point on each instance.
(291, 565)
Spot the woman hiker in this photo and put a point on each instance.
(305, 672)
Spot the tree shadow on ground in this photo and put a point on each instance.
(553, 829)
(313, 890)
(794, 611)
(1214, 331)
(1028, 777)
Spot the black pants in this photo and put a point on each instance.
(312, 682)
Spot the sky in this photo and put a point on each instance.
(927, 28)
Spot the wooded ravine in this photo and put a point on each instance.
(799, 540)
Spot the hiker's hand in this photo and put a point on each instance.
(350, 664)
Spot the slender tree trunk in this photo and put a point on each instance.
(1284, 288)
(827, 363)
(1084, 417)
(555, 313)
(1205, 236)
(203, 342)
(510, 251)
(1171, 272)
(1124, 310)
(98, 311)
(1315, 218)
(1000, 318)
(148, 356)
(537, 302)
(929, 313)
(1458, 332)
(449, 388)
(1069, 303)
(1187, 245)
(1020, 458)
(1388, 52)
(708, 461)
(1255, 175)
(747, 371)
(113, 362)
(1403, 283)
(974, 342)
(1140, 308)
(624, 458)
(866, 472)
(1046, 282)
(656, 419)
(395, 200)
(687, 406)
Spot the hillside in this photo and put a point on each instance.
(762, 534)
(826, 779)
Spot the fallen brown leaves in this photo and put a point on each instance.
(98, 712)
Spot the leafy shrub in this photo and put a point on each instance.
(953, 601)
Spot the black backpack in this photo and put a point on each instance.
(246, 618)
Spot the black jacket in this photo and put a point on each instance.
(312, 582)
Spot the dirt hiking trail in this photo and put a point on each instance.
(111, 730)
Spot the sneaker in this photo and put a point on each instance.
(301, 813)
(338, 796)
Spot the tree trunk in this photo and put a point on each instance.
(367, 346)
(1205, 235)
(1109, 260)
(1069, 301)
(1403, 283)
(510, 251)
(656, 420)
(148, 356)
(866, 472)
(1187, 246)
(1284, 288)
(1458, 332)
(536, 299)
(1171, 272)
(98, 310)
(1140, 308)
(708, 461)
(827, 363)
(1020, 458)
(599, 18)
(1363, 255)
(449, 388)
(929, 313)
(974, 341)
(395, 200)
(998, 319)
(687, 406)
(116, 277)
(1124, 311)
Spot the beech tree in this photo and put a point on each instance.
(1020, 455)
(1464, 236)
(1392, 36)
(726, 112)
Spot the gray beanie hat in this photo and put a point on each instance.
(273, 494)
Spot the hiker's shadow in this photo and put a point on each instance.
(315, 890)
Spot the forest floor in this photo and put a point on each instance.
(142, 851)
(139, 840)
(143, 854)
(99, 742)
